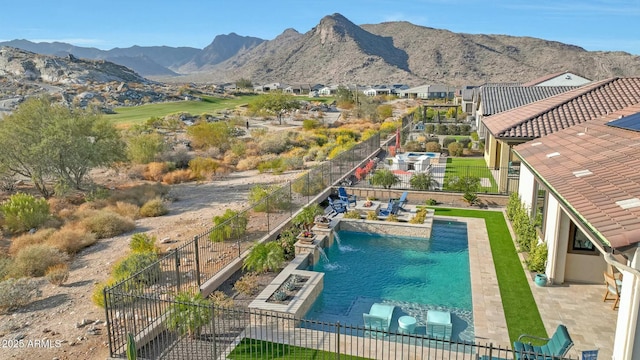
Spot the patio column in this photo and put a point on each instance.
(626, 344)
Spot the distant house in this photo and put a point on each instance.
(564, 78)
(428, 92)
(302, 89)
(493, 99)
(377, 90)
(270, 87)
(328, 90)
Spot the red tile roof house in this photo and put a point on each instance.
(580, 171)
(527, 122)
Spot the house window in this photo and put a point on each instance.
(579, 243)
(538, 208)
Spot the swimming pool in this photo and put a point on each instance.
(413, 274)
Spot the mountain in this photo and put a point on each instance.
(20, 65)
(339, 51)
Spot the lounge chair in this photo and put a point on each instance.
(403, 200)
(556, 347)
(392, 209)
(613, 288)
(337, 206)
(378, 319)
(348, 199)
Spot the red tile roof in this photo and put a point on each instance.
(562, 111)
(611, 154)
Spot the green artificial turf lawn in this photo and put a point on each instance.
(470, 166)
(259, 349)
(520, 308)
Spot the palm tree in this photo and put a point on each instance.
(423, 181)
(306, 217)
(385, 178)
(264, 257)
(190, 313)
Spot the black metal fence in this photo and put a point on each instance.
(191, 331)
(187, 267)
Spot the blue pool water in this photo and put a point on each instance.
(427, 154)
(414, 274)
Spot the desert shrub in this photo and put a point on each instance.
(16, 293)
(144, 148)
(105, 224)
(178, 176)
(248, 163)
(220, 299)
(126, 209)
(71, 240)
(465, 142)
(431, 202)
(455, 149)
(136, 171)
(371, 215)
(142, 242)
(203, 168)
(154, 207)
(448, 140)
(22, 241)
(268, 198)
(136, 262)
(247, 285)
(97, 296)
(229, 225)
(433, 146)
(23, 212)
(277, 165)
(155, 171)
(392, 218)
(180, 157)
(419, 217)
(6, 264)
(274, 143)
(34, 260)
(309, 184)
(57, 274)
(352, 214)
(140, 194)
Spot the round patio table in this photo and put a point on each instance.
(406, 324)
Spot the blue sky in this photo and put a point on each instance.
(610, 25)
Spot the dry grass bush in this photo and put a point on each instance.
(140, 194)
(178, 176)
(230, 159)
(6, 264)
(152, 208)
(16, 293)
(105, 224)
(57, 274)
(136, 171)
(247, 285)
(34, 260)
(71, 240)
(155, 171)
(94, 205)
(248, 163)
(126, 209)
(220, 299)
(23, 241)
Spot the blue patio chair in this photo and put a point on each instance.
(556, 347)
(392, 209)
(348, 199)
(403, 200)
(337, 206)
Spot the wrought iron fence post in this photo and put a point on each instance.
(107, 319)
(177, 260)
(308, 188)
(238, 243)
(268, 213)
(338, 340)
(197, 250)
(490, 350)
